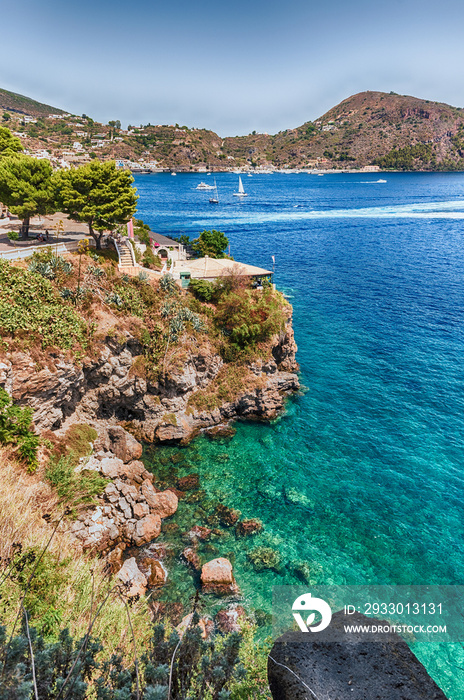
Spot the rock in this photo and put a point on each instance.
(217, 577)
(198, 532)
(131, 575)
(191, 557)
(135, 471)
(338, 665)
(227, 620)
(123, 444)
(191, 482)
(163, 504)
(167, 432)
(227, 516)
(157, 575)
(219, 432)
(147, 529)
(111, 467)
(140, 510)
(245, 528)
(114, 558)
(186, 622)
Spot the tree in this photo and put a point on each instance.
(6, 117)
(115, 124)
(98, 194)
(26, 187)
(212, 243)
(9, 144)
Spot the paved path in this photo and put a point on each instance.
(73, 231)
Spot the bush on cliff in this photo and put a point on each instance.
(16, 429)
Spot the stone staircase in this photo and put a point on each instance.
(125, 254)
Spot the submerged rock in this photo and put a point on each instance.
(227, 516)
(198, 532)
(219, 432)
(191, 482)
(245, 528)
(265, 558)
(190, 555)
(206, 626)
(157, 574)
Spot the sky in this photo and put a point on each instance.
(231, 67)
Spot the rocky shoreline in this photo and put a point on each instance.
(107, 387)
(130, 513)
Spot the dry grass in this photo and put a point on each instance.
(24, 499)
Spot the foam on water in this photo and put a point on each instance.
(429, 210)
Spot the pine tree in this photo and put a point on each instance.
(26, 187)
(98, 194)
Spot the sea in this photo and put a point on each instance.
(361, 480)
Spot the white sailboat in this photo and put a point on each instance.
(241, 192)
(214, 199)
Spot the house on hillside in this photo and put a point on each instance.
(211, 269)
(166, 248)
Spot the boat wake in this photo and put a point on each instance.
(431, 210)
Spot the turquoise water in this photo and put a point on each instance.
(361, 481)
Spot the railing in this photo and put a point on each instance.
(122, 244)
(59, 248)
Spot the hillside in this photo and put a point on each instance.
(25, 105)
(389, 131)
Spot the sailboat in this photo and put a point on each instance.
(214, 199)
(241, 192)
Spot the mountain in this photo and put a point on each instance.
(13, 102)
(368, 129)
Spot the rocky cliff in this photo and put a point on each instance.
(107, 387)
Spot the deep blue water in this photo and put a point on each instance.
(363, 479)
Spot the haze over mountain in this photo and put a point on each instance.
(370, 128)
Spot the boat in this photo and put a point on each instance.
(173, 173)
(214, 199)
(241, 192)
(204, 186)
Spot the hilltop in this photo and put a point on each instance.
(370, 129)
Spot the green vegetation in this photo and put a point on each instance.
(74, 489)
(98, 194)
(32, 312)
(406, 158)
(9, 144)
(16, 429)
(142, 231)
(26, 187)
(202, 289)
(212, 243)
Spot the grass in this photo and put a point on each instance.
(75, 489)
(67, 580)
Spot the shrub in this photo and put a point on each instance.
(249, 316)
(16, 429)
(32, 309)
(202, 289)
